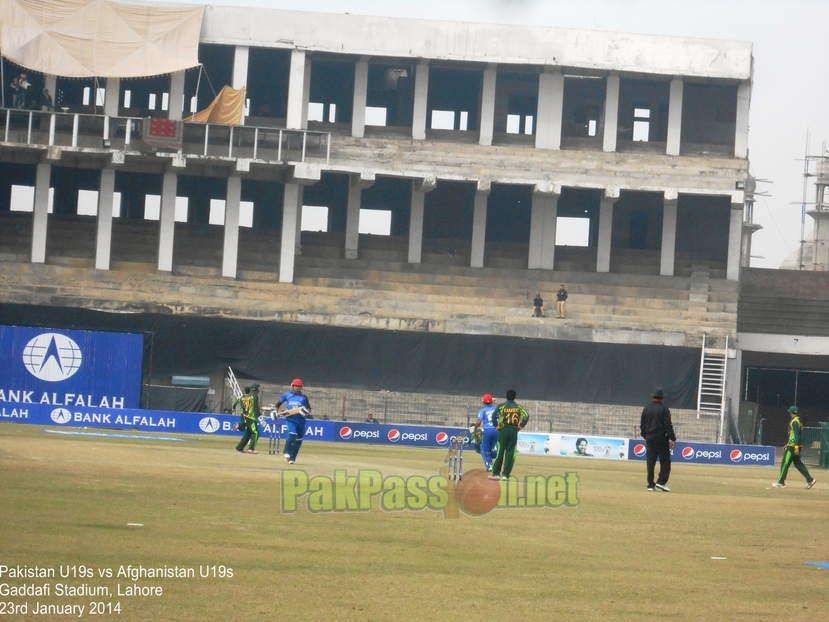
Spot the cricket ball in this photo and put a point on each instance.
(476, 493)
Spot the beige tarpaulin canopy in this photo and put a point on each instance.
(226, 108)
(100, 38)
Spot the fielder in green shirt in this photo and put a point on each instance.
(249, 404)
(510, 417)
(791, 453)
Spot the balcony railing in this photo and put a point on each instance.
(87, 131)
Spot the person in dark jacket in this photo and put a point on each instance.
(658, 432)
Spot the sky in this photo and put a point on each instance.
(790, 95)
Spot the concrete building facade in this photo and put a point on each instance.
(473, 143)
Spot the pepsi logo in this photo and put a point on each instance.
(640, 450)
(736, 455)
(442, 438)
(345, 432)
(688, 453)
(394, 435)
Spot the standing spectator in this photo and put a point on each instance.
(20, 86)
(371, 419)
(658, 432)
(791, 453)
(46, 102)
(490, 433)
(510, 418)
(14, 87)
(296, 402)
(561, 299)
(538, 306)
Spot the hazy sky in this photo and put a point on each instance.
(791, 73)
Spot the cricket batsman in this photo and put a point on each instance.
(486, 425)
(297, 406)
(510, 418)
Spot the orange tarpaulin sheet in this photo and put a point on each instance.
(227, 108)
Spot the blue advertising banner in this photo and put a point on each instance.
(413, 435)
(148, 420)
(710, 453)
(70, 368)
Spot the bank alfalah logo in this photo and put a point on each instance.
(52, 357)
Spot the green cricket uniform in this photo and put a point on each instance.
(789, 456)
(250, 414)
(510, 417)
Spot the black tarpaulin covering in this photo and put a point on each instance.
(420, 362)
(176, 399)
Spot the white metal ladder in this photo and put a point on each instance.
(234, 384)
(711, 395)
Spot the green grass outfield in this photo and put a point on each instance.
(622, 554)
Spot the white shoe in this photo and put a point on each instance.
(290, 461)
(778, 485)
(663, 487)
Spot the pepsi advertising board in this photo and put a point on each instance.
(710, 453)
(412, 435)
(69, 368)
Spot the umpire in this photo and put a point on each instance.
(658, 432)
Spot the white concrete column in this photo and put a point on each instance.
(291, 215)
(111, 94)
(419, 189)
(741, 133)
(550, 108)
(674, 117)
(357, 184)
(241, 55)
(611, 113)
(669, 211)
(479, 223)
(606, 229)
(297, 115)
(230, 250)
(103, 236)
(358, 114)
(543, 221)
(43, 176)
(167, 221)
(488, 104)
(421, 95)
(735, 236)
(176, 109)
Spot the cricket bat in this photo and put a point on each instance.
(286, 413)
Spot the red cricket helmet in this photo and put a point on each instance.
(487, 399)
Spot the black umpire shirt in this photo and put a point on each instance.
(656, 422)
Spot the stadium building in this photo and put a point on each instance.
(373, 203)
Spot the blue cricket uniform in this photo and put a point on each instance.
(490, 435)
(295, 423)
